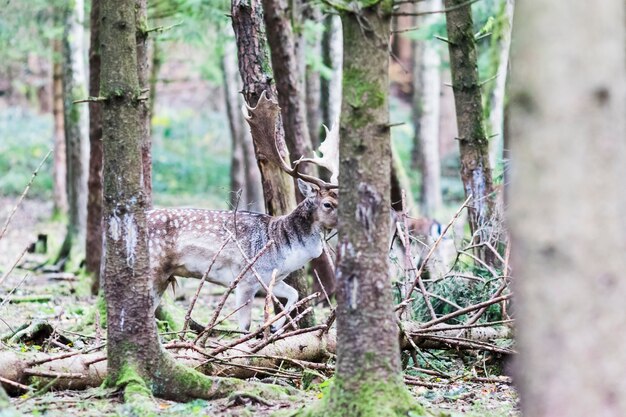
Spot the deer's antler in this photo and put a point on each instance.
(329, 150)
(263, 119)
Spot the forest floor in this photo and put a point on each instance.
(67, 305)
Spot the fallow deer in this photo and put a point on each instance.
(182, 242)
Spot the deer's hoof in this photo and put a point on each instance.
(274, 328)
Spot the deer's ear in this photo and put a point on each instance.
(305, 189)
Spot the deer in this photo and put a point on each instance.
(184, 241)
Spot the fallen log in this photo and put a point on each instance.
(307, 350)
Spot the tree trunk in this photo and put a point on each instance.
(314, 81)
(567, 127)
(136, 360)
(473, 143)
(497, 101)
(286, 73)
(94, 200)
(254, 67)
(143, 72)
(368, 380)
(59, 175)
(332, 48)
(76, 131)
(238, 197)
(426, 101)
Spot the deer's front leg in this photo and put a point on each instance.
(282, 290)
(244, 293)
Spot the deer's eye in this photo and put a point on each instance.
(328, 205)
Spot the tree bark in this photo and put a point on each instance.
(76, 131)
(93, 254)
(313, 90)
(136, 360)
(143, 72)
(473, 143)
(368, 361)
(568, 101)
(59, 174)
(280, 38)
(254, 67)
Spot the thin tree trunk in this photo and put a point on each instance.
(59, 174)
(497, 102)
(332, 45)
(76, 132)
(426, 102)
(280, 38)
(568, 195)
(254, 64)
(473, 143)
(143, 72)
(314, 81)
(94, 200)
(237, 165)
(368, 360)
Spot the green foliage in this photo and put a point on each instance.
(25, 138)
(191, 155)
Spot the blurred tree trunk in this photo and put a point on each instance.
(59, 175)
(368, 357)
(254, 65)
(313, 79)
(426, 102)
(238, 196)
(94, 200)
(497, 99)
(285, 66)
(473, 143)
(155, 67)
(143, 72)
(76, 132)
(568, 195)
(332, 50)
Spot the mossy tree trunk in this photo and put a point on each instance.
(136, 360)
(568, 101)
(93, 254)
(76, 131)
(256, 74)
(473, 143)
(368, 379)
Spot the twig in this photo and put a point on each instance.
(233, 284)
(19, 201)
(434, 247)
(202, 280)
(19, 258)
(16, 384)
(459, 327)
(449, 9)
(268, 303)
(51, 374)
(161, 29)
(90, 100)
(258, 277)
(465, 310)
(461, 342)
(37, 362)
(319, 281)
(263, 326)
(280, 334)
(7, 298)
(407, 248)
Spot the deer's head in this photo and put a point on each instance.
(323, 203)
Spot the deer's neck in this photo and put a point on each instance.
(298, 229)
